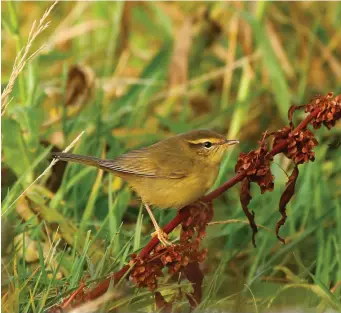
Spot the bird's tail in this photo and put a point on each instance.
(76, 158)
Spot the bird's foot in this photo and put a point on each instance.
(162, 236)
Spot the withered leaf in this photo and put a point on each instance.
(55, 179)
(285, 198)
(79, 85)
(291, 111)
(194, 274)
(245, 198)
(335, 144)
(162, 305)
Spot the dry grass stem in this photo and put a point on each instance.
(95, 305)
(75, 31)
(23, 56)
(66, 23)
(179, 90)
(279, 49)
(233, 221)
(230, 55)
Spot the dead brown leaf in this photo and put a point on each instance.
(79, 85)
(285, 198)
(194, 274)
(291, 112)
(245, 198)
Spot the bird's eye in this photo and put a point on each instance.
(207, 144)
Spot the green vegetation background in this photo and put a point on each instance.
(129, 74)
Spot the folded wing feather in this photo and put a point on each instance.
(144, 162)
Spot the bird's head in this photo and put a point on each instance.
(207, 145)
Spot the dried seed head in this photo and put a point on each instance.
(146, 272)
(330, 110)
(257, 163)
(300, 144)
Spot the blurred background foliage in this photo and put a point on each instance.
(129, 74)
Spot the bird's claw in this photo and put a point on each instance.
(162, 236)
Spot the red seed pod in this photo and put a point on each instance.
(257, 163)
(330, 110)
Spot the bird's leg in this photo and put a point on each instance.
(161, 235)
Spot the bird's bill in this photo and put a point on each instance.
(231, 142)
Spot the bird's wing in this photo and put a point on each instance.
(149, 162)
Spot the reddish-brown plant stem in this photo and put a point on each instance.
(102, 287)
(227, 185)
(278, 148)
(79, 291)
(184, 213)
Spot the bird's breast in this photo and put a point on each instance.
(174, 193)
